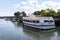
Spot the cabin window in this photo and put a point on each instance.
(51, 20)
(32, 21)
(48, 20)
(27, 20)
(45, 21)
(37, 21)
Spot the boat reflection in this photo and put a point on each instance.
(40, 30)
(40, 34)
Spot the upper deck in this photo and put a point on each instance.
(37, 18)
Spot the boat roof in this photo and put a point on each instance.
(36, 18)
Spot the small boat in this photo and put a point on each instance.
(39, 22)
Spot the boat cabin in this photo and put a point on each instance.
(34, 21)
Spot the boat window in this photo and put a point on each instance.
(45, 21)
(51, 20)
(30, 20)
(37, 21)
(48, 20)
(33, 21)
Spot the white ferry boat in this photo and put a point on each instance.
(39, 22)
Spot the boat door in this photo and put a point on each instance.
(41, 21)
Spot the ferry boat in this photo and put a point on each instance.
(39, 22)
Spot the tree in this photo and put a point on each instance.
(23, 13)
(36, 13)
(16, 14)
(58, 14)
(48, 12)
(43, 13)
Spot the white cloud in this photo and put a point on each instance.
(16, 6)
(26, 7)
(24, 3)
(30, 6)
(51, 4)
(33, 2)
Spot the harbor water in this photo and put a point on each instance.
(10, 30)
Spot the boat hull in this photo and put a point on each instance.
(40, 26)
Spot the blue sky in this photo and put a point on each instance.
(8, 7)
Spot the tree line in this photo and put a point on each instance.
(46, 12)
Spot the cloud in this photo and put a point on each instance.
(24, 3)
(30, 6)
(16, 6)
(33, 2)
(51, 4)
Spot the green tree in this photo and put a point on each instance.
(58, 14)
(48, 12)
(43, 13)
(23, 13)
(16, 14)
(36, 13)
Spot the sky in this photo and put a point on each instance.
(9, 7)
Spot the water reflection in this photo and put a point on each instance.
(30, 34)
(10, 30)
(17, 23)
(40, 35)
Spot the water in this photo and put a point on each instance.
(14, 31)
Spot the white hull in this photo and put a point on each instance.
(41, 26)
